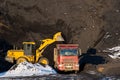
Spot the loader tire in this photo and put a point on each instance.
(43, 61)
(20, 60)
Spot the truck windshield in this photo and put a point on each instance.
(69, 52)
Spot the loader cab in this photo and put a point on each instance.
(29, 48)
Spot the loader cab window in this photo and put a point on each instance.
(29, 49)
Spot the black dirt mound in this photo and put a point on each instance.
(89, 23)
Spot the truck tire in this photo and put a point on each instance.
(43, 61)
(20, 60)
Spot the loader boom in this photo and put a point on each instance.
(46, 42)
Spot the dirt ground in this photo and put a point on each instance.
(80, 76)
(89, 23)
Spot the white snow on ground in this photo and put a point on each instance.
(115, 52)
(117, 48)
(28, 69)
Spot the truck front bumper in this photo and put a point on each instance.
(69, 68)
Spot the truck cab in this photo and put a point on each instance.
(66, 57)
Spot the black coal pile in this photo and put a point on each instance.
(89, 23)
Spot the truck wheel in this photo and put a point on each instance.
(43, 61)
(20, 60)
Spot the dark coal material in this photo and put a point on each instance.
(89, 23)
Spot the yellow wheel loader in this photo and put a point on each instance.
(30, 54)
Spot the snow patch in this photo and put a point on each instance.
(28, 69)
(107, 35)
(117, 48)
(115, 52)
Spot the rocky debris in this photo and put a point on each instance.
(110, 69)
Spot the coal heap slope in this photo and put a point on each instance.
(89, 23)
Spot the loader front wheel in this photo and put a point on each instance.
(20, 60)
(43, 61)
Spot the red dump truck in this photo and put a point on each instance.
(66, 57)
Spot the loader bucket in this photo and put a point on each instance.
(58, 37)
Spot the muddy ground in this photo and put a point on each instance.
(80, 76)
(89, 23)
(58, 77)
